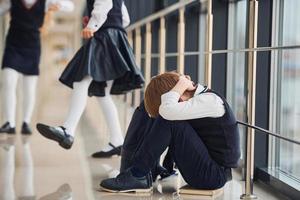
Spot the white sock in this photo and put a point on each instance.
(77, 104)
(29, 96)
(10, 80)
(112, 118)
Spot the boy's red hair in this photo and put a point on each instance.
(158, 85)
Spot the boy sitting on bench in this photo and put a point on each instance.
(197, 125)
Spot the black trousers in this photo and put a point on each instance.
(148, 138)
(138, 128)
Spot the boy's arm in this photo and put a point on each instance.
(200, 106)
(61, 5)
(125, 16)
(99, 14)
(4, 6)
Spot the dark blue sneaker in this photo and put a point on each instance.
(126, 182)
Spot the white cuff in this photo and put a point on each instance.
(93, 24)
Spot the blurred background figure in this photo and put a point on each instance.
(22, 55)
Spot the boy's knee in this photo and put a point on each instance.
(175, 125)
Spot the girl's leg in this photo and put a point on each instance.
(64, 135)
(112, 119)
(29, 95)
(10, 80)
(77, 105)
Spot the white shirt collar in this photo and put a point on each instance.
(200, 88)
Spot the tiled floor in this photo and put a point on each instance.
(35, 168)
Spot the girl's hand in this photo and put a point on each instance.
(85, 21)
(87, 33)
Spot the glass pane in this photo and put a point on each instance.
(236, 64)
(289, 112)
(288, 159)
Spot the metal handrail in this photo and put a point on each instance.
(223, 51)
(269, 132)
(253, 49)
(162, 13)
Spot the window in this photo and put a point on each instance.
(236, 65)
(286, 76)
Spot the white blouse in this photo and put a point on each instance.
(100, 12)
(64, 5)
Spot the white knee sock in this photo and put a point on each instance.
(77, 104)
(10, 80)
(112, 118)
(29, 95)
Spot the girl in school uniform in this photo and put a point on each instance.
(104, 65)
(22, 55)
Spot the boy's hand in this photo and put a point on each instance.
(186, 81)
(87, 33)
(184, 84)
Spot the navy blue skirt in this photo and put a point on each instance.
(22, 59)
(106, 56)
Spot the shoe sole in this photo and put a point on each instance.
(127, 191)
(100, 157)
(44, 131)
(115, 154)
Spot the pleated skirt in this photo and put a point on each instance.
(106, 56)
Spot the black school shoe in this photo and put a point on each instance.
(59, 135)
(108, 154)
(125, 182)
(6, 128)
(26, 130)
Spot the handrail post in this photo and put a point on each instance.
(162, 45)
(128, 96)
(138, 57)
(208, 45)
(181, 41)
(253, 18)
(148, 51)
